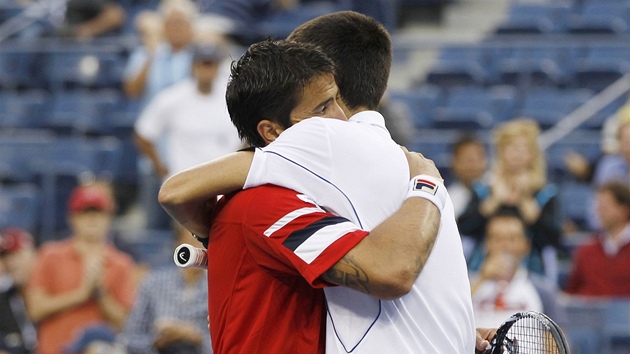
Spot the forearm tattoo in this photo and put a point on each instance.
(348, 273)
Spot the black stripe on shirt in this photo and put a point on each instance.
(298, 237)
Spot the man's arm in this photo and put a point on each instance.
(189, 196)
(111, 17)
(387, 262)
(147, 148)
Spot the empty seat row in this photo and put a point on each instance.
(477, 107)
(25, 155)
(98, 112)
(594, 66)
(588, 17)
(61, 66)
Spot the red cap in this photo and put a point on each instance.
(13, 239)
(90, 197)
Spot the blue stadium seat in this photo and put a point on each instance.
(20, 206)
(573, 198)
(417, 103)
(83, 111)
(20, 152)
(279, 24)
(547, 105)
(534, 18)
(602, 65)
(74, 155)
(597, 17)
(584, 323)
(545, 64)
(19, 69)
(457, 66)
(616, 333)
(63, 165)
(25, 109)
(586, 142)
(475, 107)
(97, 66)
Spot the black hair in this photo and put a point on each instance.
(619, 191)
(361, 49)
(268, 82)
(464, 140)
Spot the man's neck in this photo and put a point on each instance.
(204, 87)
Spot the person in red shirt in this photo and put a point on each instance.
(80, 280)
(601, 266)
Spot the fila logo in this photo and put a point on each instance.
(425, 185)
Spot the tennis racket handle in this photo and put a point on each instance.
(186, 256)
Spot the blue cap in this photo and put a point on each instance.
(100, 332)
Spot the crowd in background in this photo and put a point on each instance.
(84, 294)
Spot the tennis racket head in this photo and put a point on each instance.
(529, 332)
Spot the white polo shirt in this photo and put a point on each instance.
(189, 127)
(355, 170)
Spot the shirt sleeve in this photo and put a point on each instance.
(300, 152)
(286, 232)
(134, 64)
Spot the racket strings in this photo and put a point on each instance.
(530, 336)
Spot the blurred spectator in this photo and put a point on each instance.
(612, 167)
(503, 284)
(164, 59)
(17, 256)
(469, 163)
(170, 311)
(579, 166)
(601, 266)
(91, 18)
(82, 19)
(80, 280)
(517, 182)
(165, 56)
(96, 339)
(190, 116)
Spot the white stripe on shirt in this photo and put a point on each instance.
(310, 249)
(282, 222)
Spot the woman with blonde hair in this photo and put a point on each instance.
(518, 183)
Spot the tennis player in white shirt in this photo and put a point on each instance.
(354, 169)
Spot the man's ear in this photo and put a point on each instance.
(269, 130)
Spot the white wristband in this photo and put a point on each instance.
(428, 187)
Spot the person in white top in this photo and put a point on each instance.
(353, 169)
(188, 123)
(503, 285)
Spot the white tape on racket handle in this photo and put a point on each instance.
(186, 256)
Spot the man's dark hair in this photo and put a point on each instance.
(361, 49)
(268, 82)
(619, 191)
(465, 140)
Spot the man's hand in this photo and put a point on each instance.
(420, 165)
(484, 336)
